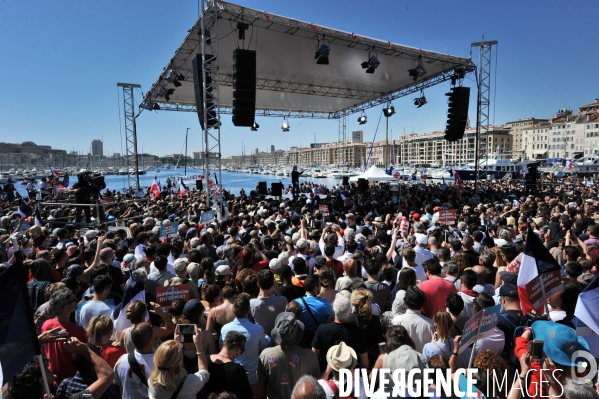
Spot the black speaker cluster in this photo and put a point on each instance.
(244, 87)
(457, 113)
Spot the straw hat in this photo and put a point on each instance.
(341, 357)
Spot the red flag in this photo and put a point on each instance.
(458, 184)
(182, 189)
(54, 171)
(155, 189)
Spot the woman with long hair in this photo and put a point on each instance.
(407, 278)
(462, 260)
(99, 332)
(169, 378)
(225, 374)
(500, 264)
(222, 314)
(136, 314)
(370, 324)
(442, 340)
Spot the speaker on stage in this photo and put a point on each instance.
(362, 185)
(277, 189)
(244, 87)
(262, 190)
(199, 185)
(346, 180)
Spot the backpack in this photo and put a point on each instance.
(518, 331)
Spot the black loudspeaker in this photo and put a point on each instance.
(199, 91)
(457, 113)
(244, 87)
(277, 189)
(346, 180)
(262, 190)
(362, 185)
(199, 185)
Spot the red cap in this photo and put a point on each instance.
(416, 216)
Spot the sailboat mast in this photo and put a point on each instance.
(185, 159)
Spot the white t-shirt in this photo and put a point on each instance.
(192, 385)
(132, 386)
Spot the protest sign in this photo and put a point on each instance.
(168, 230)
(207, 217)
(166, 295)
(481, 325)
(447, 216)
(24, 227)
(324, 209)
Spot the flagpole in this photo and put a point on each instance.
(44, 377)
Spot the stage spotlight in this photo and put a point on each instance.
(322, 54)
(255, 127)
(420, 101)
(389, 110)
(168, 94)
(155, 107)
(285, 126)
(417, 72)
(372, 63)
(176, 83)
(241, 28)
(362, 119)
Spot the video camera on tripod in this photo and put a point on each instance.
(91, 184)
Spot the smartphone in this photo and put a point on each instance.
(62, 333)
(535, 348)
(187, 332)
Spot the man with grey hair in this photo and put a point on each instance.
(63, 303)
(463, 229)
(452, 271)
(487, 260)
(341, 329)
(505, 238)
(308, 387)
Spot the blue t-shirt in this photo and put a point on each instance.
(321, 309)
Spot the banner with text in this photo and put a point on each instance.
(169, 230)
(166, 295)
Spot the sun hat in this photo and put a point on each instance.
(222, 270)
(341, 357)
(288, 330)
(180, 264)
(560, 341)
(421, 239)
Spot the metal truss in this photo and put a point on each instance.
(341, 158)
(370, 103)
(264, 20)
(130, 132)
(210, 88)
(484, 100)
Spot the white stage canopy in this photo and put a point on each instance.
(289, 82)
(373, 174)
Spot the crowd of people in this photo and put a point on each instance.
(285, 294)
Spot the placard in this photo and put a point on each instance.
(24, 227)
(447, 217)
(207, 217)
(166, 295)
(324, 209)
(475, 328)
(552, 284)
(169, 230)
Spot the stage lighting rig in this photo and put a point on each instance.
(419, 71)
(168, 94)
(241, 28)
(372, 63)
(285, 126)
(389, 110)
(323, 48)
(255, 127)
(362, 119)
(420, 101)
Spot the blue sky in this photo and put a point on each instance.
(61, 61)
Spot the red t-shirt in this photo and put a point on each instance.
(59, 356)
(436, 290)
(259, 266)
(112, 353)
